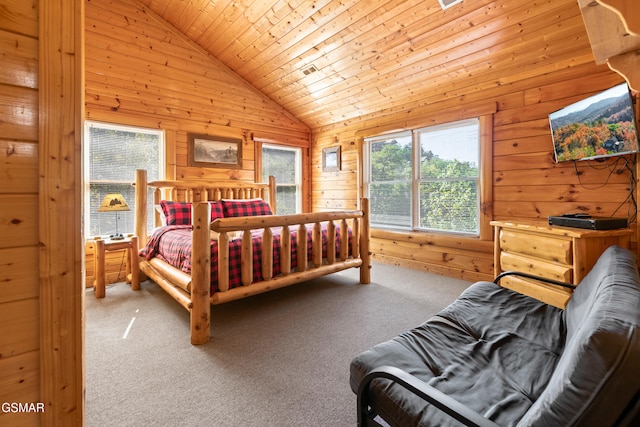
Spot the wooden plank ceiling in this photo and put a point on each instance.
(376, 57)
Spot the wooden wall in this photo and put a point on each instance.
(142, 72)
(526, 182)
(40, 270)
(19, 285)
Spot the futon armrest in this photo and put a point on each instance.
(447, 404)
(534, 277)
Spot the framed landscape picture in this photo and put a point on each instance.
(214, 151)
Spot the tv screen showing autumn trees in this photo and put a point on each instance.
(599, 126)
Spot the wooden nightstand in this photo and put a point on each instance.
(130, 244)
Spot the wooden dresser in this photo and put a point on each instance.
(561, 253)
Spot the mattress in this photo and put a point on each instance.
(172, 244)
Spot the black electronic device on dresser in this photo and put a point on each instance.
(581, 220)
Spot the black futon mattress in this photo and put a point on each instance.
(495, 358)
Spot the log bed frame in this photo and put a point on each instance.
(198, 301)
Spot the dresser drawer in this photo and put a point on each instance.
(535, 266)
(548, 248)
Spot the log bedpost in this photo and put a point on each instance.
(141, 207)
(272, 193)
(200, 274)
(365, 237)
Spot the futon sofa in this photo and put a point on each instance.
(496, 357)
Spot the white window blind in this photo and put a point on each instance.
(112, 155)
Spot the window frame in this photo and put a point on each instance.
(485, 149)
(419, 179)
(88, 124)
(368, 178)
(298, 170)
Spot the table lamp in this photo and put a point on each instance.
(114, 202)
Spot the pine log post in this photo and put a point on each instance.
(331, 242)
(140, 224)
(285, 251)
(223, 261)
(365, 237)
(272, 193)
(267, 254)
(200, 273)
(99, 269)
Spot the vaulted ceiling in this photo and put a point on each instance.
(328, 61)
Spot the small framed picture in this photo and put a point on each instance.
(331, 159)
(214, 151)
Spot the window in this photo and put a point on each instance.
(112, 156)
(285, 164)
(390, 179)
(426, 179)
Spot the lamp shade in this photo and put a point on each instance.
(113, 202)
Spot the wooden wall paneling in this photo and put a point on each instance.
(158, 52)
(169, 78)
(21, 17)
(18, 316)
(19, 288)
(422, 115)
(562, 174)
(581, 194)
(19, 62)
(526, 182)
(18, 220)
(19, 272)
(20, 384)
(170, 83)
(61, 320)
(19, 166)
(469, 267)
(18, 108)
(533, 209)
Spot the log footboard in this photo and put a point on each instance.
(193, 291)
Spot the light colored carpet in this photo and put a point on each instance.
(276, 359)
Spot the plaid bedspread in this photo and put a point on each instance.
(172, 244)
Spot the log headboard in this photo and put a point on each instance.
(194, 191)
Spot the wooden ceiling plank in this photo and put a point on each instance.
(299, 23)
(254, 20)
(374, 58)
(401, 82)
(402, 41)
(327, 44)
(171, 10)
(189, 15)
(443, 89)
(483, 47)
(215, 14)
(428, 45)
(158, 6)
(198, 29)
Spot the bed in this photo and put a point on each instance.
(235, 247)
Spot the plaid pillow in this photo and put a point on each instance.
(179, 213)
(252, 207)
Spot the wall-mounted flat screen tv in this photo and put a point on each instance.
(599, 126)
